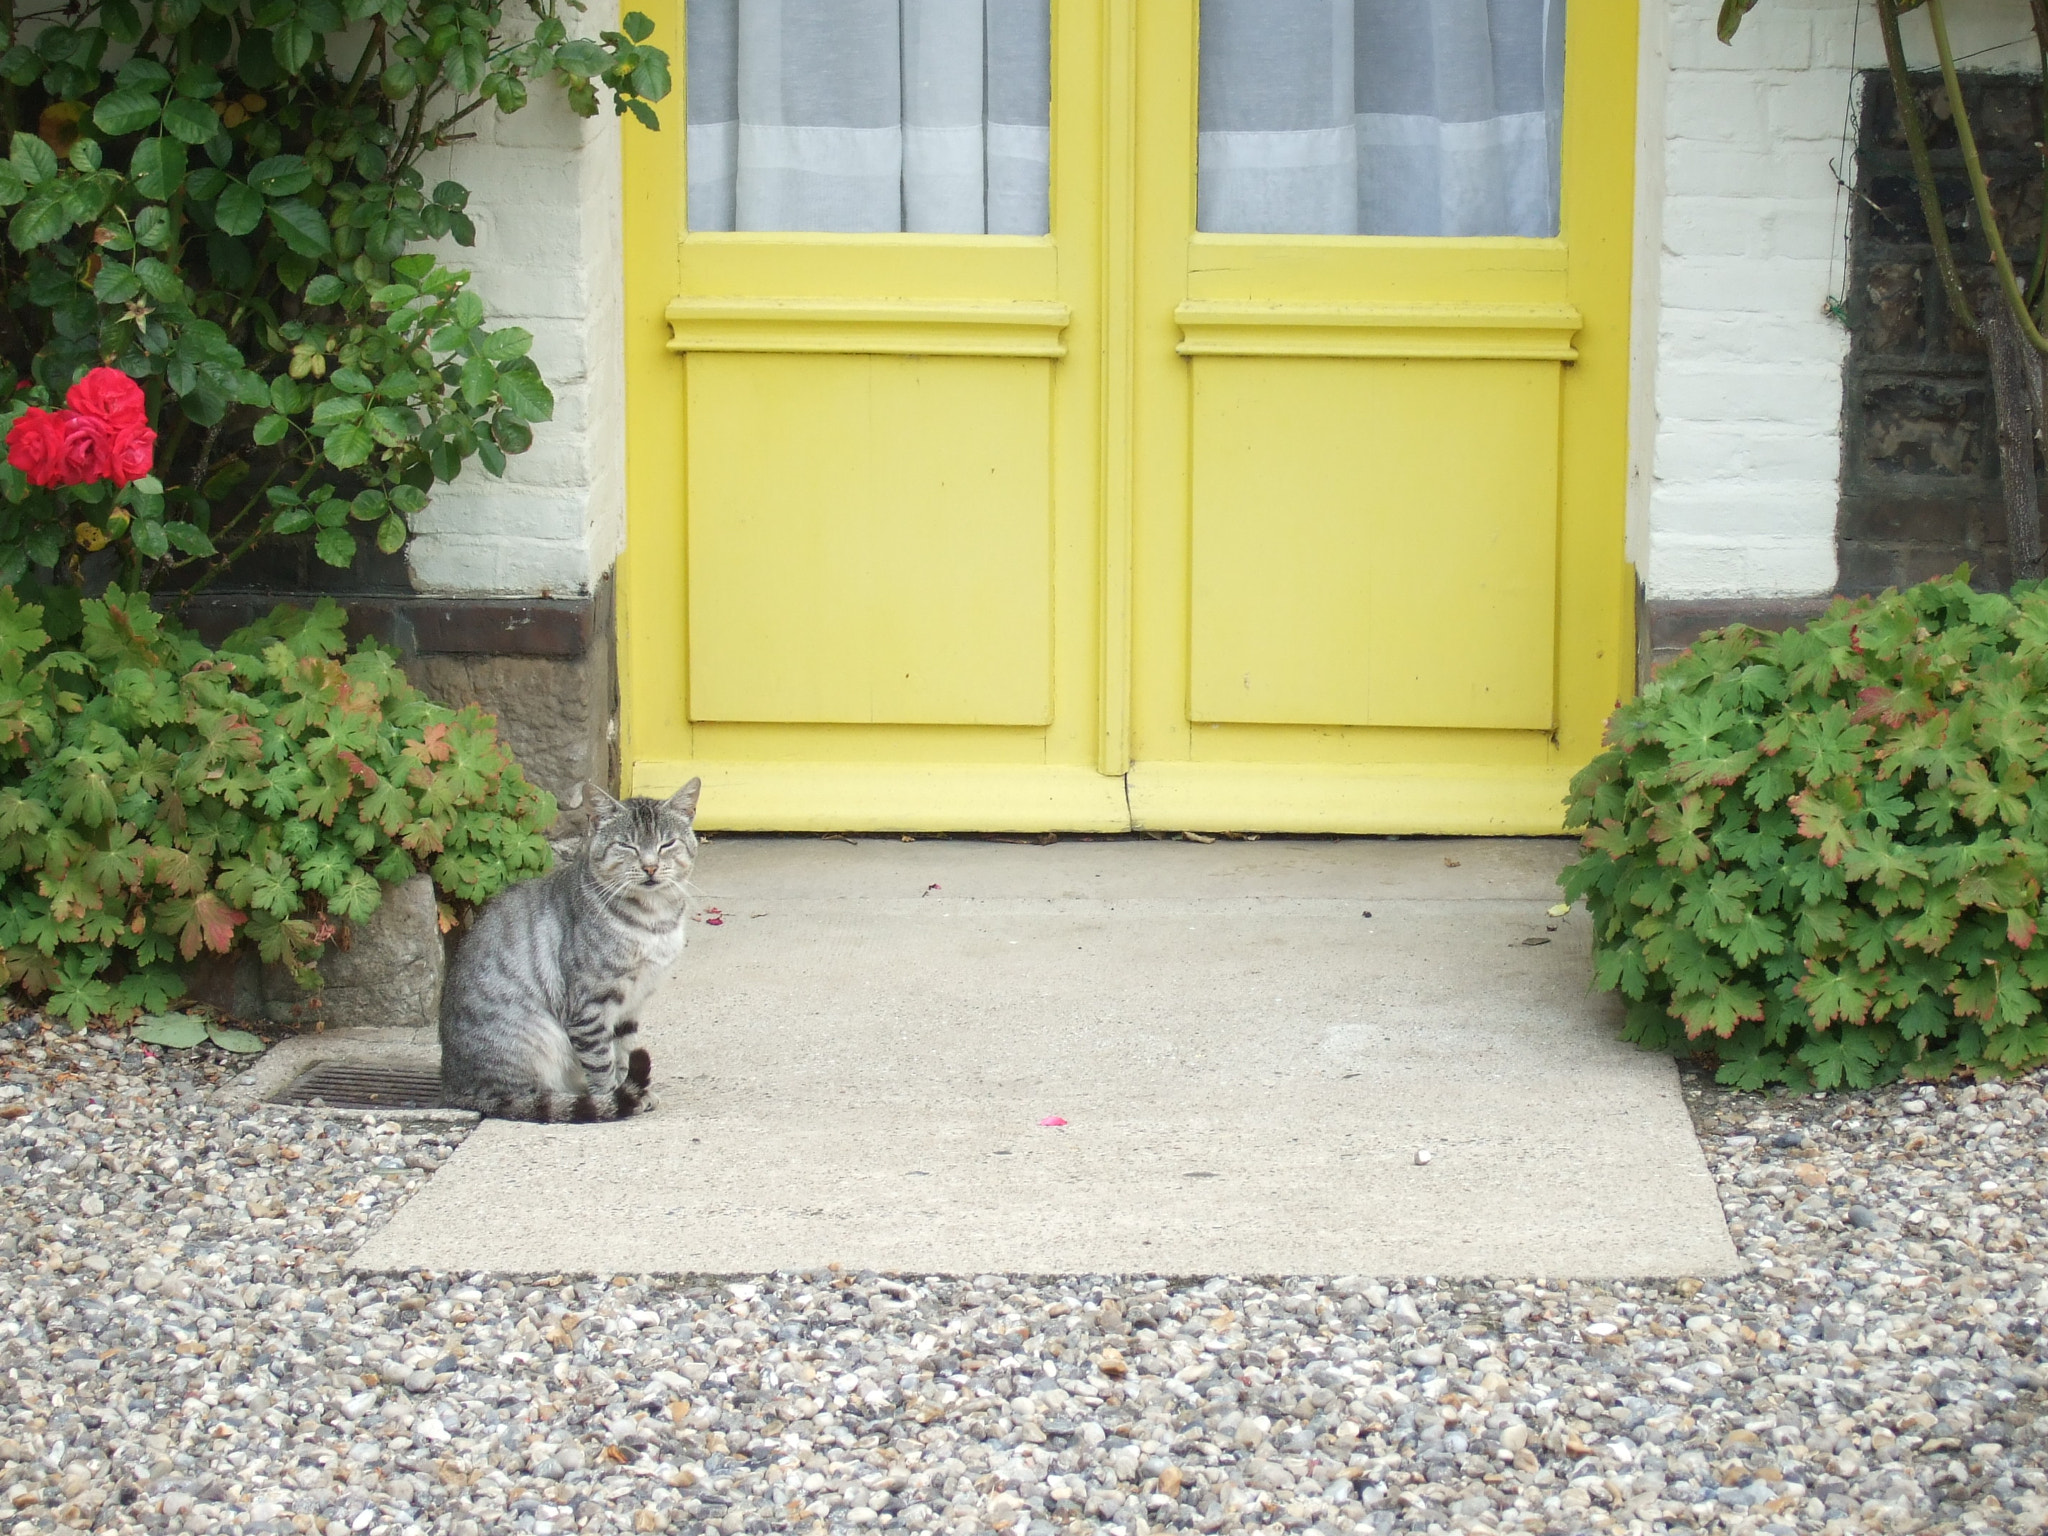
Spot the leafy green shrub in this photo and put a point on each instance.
(1818, 855)
(159, 797)
(224, 200)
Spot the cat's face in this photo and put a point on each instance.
(642, 847)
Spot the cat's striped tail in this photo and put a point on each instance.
(553, 1108)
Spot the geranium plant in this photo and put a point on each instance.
(222, 201)
(161, 798)
(1818, 855)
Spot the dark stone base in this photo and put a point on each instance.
(1666, 626)
(544, 667)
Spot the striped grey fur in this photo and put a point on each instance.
(538, 1011)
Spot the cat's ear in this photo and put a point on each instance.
(602, 806)
(684, 801)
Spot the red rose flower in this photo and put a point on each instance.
(87, 451)
(35, 446)
(110, 395)
(133, 455)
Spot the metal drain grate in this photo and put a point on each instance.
(364, 1085)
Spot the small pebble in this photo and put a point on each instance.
(1422, 1155)
(195, 1356)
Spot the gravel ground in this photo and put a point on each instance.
(183, 1351)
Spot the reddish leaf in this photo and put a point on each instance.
(432, 747)
(213, 923)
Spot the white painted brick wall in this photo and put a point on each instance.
(1737, 412)
(544, 192)
(1738, 434)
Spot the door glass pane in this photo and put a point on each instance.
(930, 116)
(1381, 117)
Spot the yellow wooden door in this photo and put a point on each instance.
(1130, 525)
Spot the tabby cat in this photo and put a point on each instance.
(538, 1009)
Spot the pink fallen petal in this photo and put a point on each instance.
(714, 922)
(1052, 1120)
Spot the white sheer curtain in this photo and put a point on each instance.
(930, 116)
(1381, 117)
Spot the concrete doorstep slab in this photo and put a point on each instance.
(1249, 1043)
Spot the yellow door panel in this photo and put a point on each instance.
(871, 541)
(1375, 542)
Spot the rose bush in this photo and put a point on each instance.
(220, 201)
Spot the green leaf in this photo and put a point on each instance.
(179, 1031)
(159, 281)
(269, 429)
(127, 109)
(197, 81)
(300, 226)
(479, 381)
(637, 26)
(347, 446)
(357, 897)
(391, 534)
(116, 284)
(512, 434)
(336, 546)
(336, 408)
(188, 539)
(158, 167)
(325, 289)
(291, 42)
(40, 220)
(239, 209)
(1849, 1058)
(504, 344)
(239, 1041)
(191, 122)
(32, 159)
(149, 538)
(1732, 12)
(391, 426)
(520, 387)
(281, 175)
(12, 188)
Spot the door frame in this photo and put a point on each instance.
(1124, 763)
